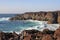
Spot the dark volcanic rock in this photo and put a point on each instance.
(47, 31)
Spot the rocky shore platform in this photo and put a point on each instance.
(33, 34)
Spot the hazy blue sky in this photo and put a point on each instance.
(18, 6)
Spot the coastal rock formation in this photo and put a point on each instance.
(51, 16)
(58, 17)
(57, 33)
(9, 36)
(46, 34)
(47, 37)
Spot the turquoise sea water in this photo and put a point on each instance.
(19, 25)
(9, 26)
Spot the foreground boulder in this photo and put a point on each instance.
(57, 34)
(47, 37)
(47, 31)
(46, 34)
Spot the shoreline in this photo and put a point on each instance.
(31, 34)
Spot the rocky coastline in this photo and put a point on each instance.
(53, 17)
(46, 34)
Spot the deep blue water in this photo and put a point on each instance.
(7, 15)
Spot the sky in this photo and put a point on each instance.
(21, 6)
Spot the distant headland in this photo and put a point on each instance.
(53, 17)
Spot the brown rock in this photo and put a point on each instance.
(47, 37)
(57, 33)
(49, 16)
(11, 39)
(58, 19)
(58, 38)
(39, 36)
(26, 38)
(2, 36)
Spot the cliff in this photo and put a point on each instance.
(51, 16)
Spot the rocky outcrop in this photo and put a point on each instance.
(51, 16)
(47, 37)
(58, 17)
(33, 34)
(9, 36)
(57, 34)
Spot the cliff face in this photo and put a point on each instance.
(51, 17)
(58, 17)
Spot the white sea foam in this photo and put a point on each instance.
(4, 18)
(43, 25)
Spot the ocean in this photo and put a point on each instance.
(19, 25)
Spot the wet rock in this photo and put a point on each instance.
(30, 31)
(47, 31)
(2, 36)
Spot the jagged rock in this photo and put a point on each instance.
(2, 36)
(47, 31)
(58, 17)
(58, 38)
(47, 37)
(39, 36)
(32, 35)
(57, 33)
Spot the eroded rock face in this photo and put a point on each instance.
(51, 17)
(57, 33)
(58, 17)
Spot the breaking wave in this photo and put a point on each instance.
(19, 26)
(4, 18)
(43, 25)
